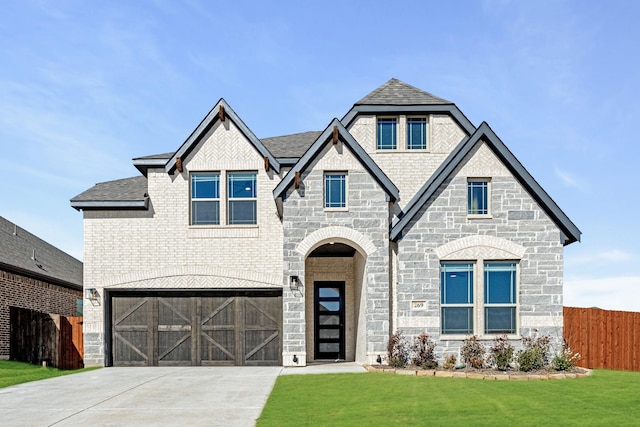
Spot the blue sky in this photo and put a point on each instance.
(85, 86)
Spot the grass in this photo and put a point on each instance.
(12, 373)
(605, 398)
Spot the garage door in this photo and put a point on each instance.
(213, 329)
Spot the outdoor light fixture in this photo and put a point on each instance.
(295, 359)
(294, 283)
(92, 295)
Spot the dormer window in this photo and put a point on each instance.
(387, 133)
(416, 133)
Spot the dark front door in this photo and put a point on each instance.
(329, 320)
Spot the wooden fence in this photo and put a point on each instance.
(605, 339)
(42, 337)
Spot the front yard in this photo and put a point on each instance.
(604, 398)
(12, 373)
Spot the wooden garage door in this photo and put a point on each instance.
(225, 328)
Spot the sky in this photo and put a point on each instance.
(85, 86)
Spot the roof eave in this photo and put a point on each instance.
(450, 109)
(42, 277)
(110, 204)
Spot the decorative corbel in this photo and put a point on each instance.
(296, 182)
(335, 135)
(179, 164)
(266, 164)
(221, 113)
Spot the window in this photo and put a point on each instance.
(456, 295)
(205, 198)
(416, 133)
(242, 198)
(500, 298)
(478, 197)
(335, 190)
(386, 133)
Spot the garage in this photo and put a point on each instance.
(235, 328)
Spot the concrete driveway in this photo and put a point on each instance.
(200, 396)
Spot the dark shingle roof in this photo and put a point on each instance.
(121, 193)
(290, 145)
(396, 92)
(17, 248)
(164, 156)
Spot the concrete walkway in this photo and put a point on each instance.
(199, 396)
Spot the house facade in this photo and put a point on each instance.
(402, 215)
(34, 275)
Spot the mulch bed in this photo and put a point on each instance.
(486, 374)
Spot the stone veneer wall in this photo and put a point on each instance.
(20, 291)
(517, 222)
(366, 221)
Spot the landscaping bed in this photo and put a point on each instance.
(482, 374)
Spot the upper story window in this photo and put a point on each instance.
(416, 133)
(335, 190)
(387, 133)
(205, 198)
(478, 197)
(456, 298)
(500, 298)
(242, 198)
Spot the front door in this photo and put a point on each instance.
(329, 320)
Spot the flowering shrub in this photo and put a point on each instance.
(566, 360)
(535, 353)
(450, 361)
(423, 355)
(473, 352)
(397, 350)
(501, 353)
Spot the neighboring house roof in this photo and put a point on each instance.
(355, 148)
(211, 119)
(128, 193)
(396, 92)
(290, 146)
(23, 253)
(397, 97)
(485, 134)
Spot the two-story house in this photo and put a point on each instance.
(237, 250)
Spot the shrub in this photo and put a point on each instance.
(501, 353)
(473, 352)
(565, 360)
(450, 361)
(423, 354)
(535, 353)
(397, 350)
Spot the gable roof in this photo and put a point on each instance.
(484, 134)
(127, 193)
(353, 146)
(211, 119)
(17, 250)
(398, 97)
(396, 92)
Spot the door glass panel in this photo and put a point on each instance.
(328, 333)
(329, 292)
(329, 319)
(329, 305)
(329, 347)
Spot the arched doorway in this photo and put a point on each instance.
(334, 273)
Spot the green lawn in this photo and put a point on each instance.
(376, 399)
(12, 373)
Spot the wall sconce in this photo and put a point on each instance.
(294, 283)
(92, 295)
